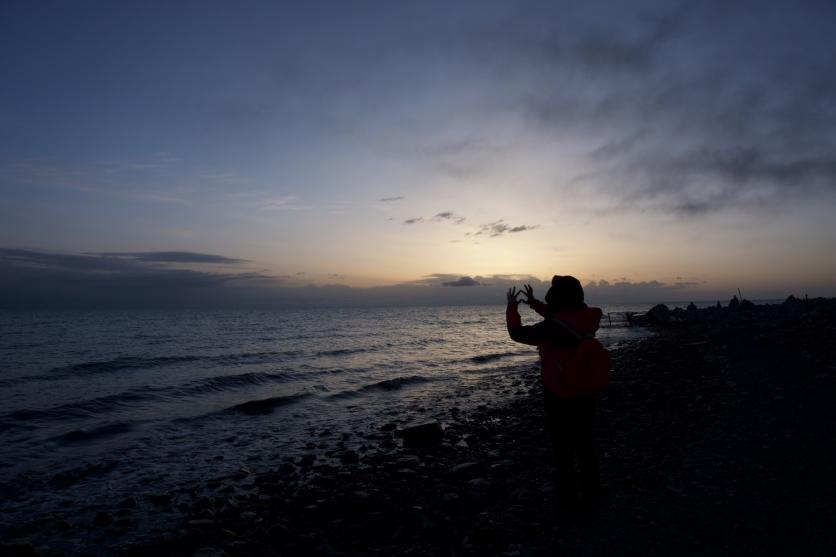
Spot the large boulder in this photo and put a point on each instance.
(658, 314)
(424, 434)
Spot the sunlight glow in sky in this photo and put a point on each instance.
(687, 145)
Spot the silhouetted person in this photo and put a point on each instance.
(570, 418)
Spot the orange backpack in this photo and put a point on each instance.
(582, 371)
(589, 370)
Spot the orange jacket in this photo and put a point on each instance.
(556, 344)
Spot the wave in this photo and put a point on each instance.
(344, 351)
(123, 363)
(348, 351)
(504, 369)
(230, 382)
(8, 426)
(118, 364)
(83, 435)
(102, 405)
(395, 383)
(249, 357)
(85, 409)
(387, 385)
(485, 358)
(421, 342)
(58, 413)
(266, 405)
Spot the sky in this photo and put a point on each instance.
(272, 152)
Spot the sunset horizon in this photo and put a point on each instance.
(679, 146)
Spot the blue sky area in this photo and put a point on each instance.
(254, 152)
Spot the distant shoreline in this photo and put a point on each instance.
(324, 306)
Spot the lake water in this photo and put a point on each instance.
(99, 406)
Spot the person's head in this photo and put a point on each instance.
(565, 294)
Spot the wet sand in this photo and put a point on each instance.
(716, 436)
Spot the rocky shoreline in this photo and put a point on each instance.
(715, 437)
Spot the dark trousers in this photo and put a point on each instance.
(571, 423)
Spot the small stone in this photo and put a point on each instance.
(127, 503)
(465, 469)
(162, 500)
(408, 461)
(349, 457)
(210, 551)
(19, 549)
(267, 478)
(502, 464)
(478, 483)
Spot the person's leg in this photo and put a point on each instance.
(584, 446)
(559, 422)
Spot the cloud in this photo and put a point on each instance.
(603, 291)
(444, 216)
(114, 264)
(491, 229)
(464, 281)
(451, 152)
(391, 199)
(30, 278)
(709, 179)
(157, 182)
(172, 257)
(449, 216)
(614, 148)
(500, 227)
(690, 108)
(493, 281)
(286, 203)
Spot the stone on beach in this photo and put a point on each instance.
(465, 469)
(424, 434)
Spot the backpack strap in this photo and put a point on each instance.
(572, 331)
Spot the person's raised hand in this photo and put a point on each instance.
(529, 294)
(512, 295)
